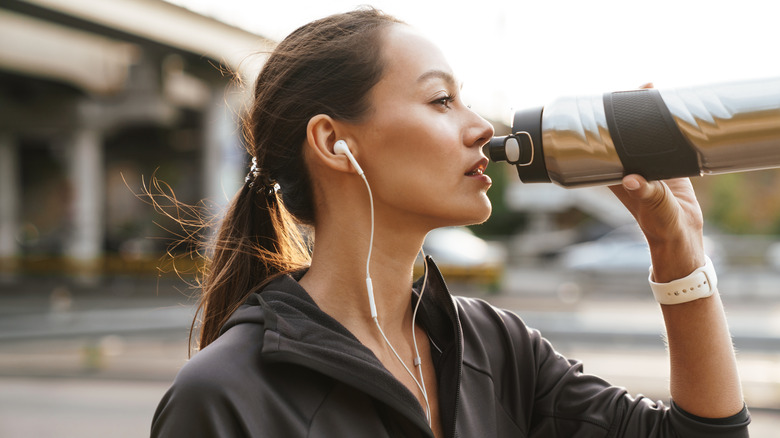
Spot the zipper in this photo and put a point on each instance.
(433, 270)
(460, 370)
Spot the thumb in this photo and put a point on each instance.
(642, 190)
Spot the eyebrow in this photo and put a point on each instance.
(438, 74)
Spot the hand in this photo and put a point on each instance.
(670, 218)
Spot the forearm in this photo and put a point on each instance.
(704, 376)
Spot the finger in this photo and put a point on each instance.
(647, 85)
(647, 192)
(629, 184)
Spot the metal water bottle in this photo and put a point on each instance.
(659, 134)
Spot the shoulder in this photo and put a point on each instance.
(232, 358)
(225, 360)
(498, 343)
(480, 318)
(496, 338)
(211, 392)
(236, 387)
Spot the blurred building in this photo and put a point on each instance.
(96, 97)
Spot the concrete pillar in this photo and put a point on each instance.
(223, 154)
(84, 247)
(9, 205)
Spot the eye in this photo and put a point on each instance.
(444, 101)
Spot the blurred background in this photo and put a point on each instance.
(98, 98)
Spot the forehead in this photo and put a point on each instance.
(409, 56)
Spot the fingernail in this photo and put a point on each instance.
(631, 184)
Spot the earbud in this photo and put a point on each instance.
(341, 148)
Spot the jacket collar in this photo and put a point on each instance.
(297, 331)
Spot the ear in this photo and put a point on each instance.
(322, 132)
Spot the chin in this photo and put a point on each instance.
(481, 220)
(487, 210)
(478, 215)
(454, 214)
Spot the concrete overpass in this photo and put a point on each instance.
(91, 91)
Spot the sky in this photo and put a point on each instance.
(515, 54)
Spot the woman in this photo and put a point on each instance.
(335, 344)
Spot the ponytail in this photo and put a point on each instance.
(257, 241)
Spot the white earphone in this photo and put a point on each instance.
(341, 148)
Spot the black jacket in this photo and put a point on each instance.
(283, 368)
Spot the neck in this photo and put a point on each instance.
(336, 279)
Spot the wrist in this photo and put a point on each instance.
(676, 259)
(699, 283)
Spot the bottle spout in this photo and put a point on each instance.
(495, 150)
(517, 149)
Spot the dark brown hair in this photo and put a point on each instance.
(325, 67)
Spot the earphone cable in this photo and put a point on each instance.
(417, 360)
(374, 315)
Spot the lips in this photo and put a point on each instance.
(479, 168)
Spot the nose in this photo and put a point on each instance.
(479, 132)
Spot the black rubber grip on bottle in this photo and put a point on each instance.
(646, 138)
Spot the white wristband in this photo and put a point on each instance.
(701, 283)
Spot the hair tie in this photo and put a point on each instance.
(268, 187)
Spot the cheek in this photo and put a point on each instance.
(415, 163)
(410, 124)
(414, 152)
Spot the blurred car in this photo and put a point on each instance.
(616, 262)
(622, 249)
(462, 256)
(773, 255)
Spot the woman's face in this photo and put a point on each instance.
(420, 146)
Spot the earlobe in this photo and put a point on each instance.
(322, 135)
